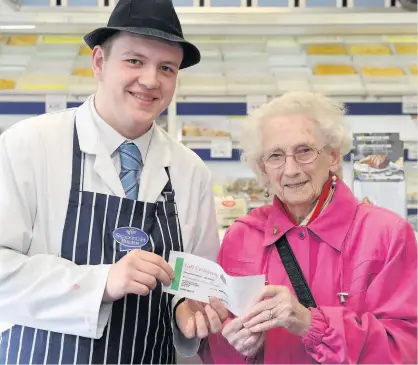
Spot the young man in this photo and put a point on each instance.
(92, 201)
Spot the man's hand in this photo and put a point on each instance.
(242, 339)
(196, 319)
(136, 273)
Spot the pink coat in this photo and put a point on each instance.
(361, 249)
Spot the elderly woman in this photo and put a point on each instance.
(341, 276)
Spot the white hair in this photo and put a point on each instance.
(326, 112)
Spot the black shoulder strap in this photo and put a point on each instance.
(168, 191)
(295, 273)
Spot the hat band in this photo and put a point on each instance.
(152, 23)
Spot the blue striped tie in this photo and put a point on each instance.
(131, 165)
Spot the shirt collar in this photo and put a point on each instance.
(331, 225)
(112, 139)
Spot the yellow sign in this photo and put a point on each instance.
(405, 49)
(23, 40)
(59, 39)
(402, 39)
(45, 87)
(7, 84)
(369, 49)
(334, 70)
(85, 51)
(382, 71)
(83, 72)
(273, 42)
(326, 49)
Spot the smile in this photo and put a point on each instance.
(143, 99)
(296, 186)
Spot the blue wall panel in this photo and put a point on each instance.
(273, 3)
(369, 3)
(186, 108)
(82, 3)
(183, 2)
(35, 2)
(225, 3)
(321, 3)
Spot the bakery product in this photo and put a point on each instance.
(376, 161)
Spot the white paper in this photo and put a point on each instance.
(221, 148)
(254, 102)
(198, 278)
(54, 103)
(409, 104)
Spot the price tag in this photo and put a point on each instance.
(221, 148)
(54, 103)
(254, 102)
(409, 104)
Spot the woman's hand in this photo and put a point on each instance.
(278, 307)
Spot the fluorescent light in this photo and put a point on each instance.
(17, 27)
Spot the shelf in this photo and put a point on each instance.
(227, 20)
(231, 66)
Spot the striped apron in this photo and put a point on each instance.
(139, 329)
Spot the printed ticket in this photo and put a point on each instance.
(198, 278)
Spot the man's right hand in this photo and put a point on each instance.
(136, 273)
(196, 319)
(242, 339)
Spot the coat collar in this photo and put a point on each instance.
(330, 226)
(153, 176)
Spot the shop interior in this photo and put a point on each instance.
(363, 52)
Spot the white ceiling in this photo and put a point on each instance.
(226, 20)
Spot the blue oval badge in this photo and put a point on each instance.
(130, 238)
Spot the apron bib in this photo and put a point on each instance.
(139, 329)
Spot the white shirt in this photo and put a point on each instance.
(35, 177)
(112, 139)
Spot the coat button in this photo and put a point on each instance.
(276, 231)
(302, 235)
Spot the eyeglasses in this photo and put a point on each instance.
(302, 156)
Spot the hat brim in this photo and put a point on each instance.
(191, 55)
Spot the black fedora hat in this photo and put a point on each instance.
(156, 18)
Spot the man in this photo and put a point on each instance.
(92, 201)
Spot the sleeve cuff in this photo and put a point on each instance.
(184, 346)
(317, 331)
(100, 312)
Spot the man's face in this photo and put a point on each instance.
(137, 78)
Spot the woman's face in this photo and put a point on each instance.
(296, 183)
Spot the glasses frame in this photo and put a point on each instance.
(318, 152)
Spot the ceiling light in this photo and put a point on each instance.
(16, 27)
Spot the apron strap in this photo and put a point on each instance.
(168, 192)
(78, 162)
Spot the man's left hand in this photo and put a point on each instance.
(278, 307)
(196, 319)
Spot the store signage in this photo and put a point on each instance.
(221, 148)
(228, 203)
(409, 104)
(254, 102)
(54, 103)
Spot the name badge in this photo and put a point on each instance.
(130, 238)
